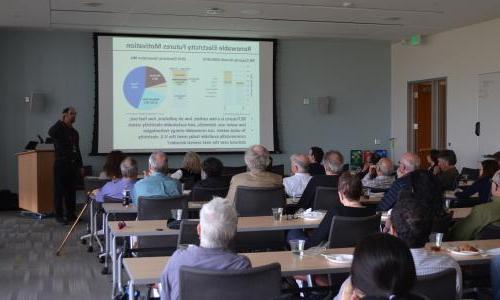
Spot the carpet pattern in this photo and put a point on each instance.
(30, 270)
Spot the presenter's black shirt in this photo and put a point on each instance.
(66, 143)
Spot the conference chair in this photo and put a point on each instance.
(442, 223)
(90, 184)
(490, 232)
(159, 208)
(437, 286)
(262, 282)
(258, 201)
(278, 169)
(188, 234)
(326, 198)
(206, 194)
(231, 171)
(472, 174)
(255, 201)
(348, 231)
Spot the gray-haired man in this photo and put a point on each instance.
(218, 221)
(257, 159)
(295, 184)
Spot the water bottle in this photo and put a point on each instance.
(126, 198)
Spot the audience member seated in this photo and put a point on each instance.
(295, 184)
(333, 163)
(432, 159)
(448, 173)
(480, 216)
(495, 156)
(482, 185)
(116, 187)
(217, 227)
(111, 168)
(156, 182)
(315, 159)
(257, 160)
(412, 223)
(212, 174)
(408, 163)
(382, 268)
(350, 191)
(190, 171)
(380, 175)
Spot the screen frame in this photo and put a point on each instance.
(95, 131)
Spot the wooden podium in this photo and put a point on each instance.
(36, 180)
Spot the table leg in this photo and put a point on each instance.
(113, 262)
(131, 290)
(92, 221)
(105, 218)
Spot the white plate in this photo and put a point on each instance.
(493, 252)
(463, 253)
(339, 258)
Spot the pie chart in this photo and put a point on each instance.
(145, 88)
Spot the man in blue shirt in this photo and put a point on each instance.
(408, 163)
(157, 182)
(117, 186)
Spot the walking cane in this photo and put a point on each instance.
(58, 252)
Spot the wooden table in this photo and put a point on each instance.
(373, 199)
(147, 270)
(159, 228)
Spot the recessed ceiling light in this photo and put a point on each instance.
(91, 4)
(251, 12)
(214, 11)
(393, 19)
(347, 4)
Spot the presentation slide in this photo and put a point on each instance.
(176, 95)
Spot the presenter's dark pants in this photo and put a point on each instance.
(65, 181)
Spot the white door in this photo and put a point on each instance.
(489, 113)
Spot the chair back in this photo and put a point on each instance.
(206, 194)
(442, 223)
(92, 183)
(278, 169)
(490, 232)
(326, 198)
(258, 201)
(158, 208)
(437, 286)
(256, 283)
(231, 171)
(348, 231)
(472, 174)
(188, 233)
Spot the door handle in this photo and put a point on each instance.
(477, 129)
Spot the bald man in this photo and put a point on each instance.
(257, 160)
(295, 184)
(408, 163)
(383, 178)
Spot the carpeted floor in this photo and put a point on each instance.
(29, 268)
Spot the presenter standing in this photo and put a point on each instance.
(67, 165)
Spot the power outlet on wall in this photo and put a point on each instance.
(307, 101)
(376, 141)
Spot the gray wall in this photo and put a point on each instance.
(61, 65)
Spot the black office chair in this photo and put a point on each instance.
(206, 194)
(278, 169)
(442, 223)
(490, 232)
(472, 174)
(188, 233)
(437, 286)
(326, 198)
(231, 171)
(92, 183)
(258, 201)
(159, 208)
(256, 283)
(253, 201)
(348, 231)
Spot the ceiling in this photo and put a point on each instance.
(391, 20)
